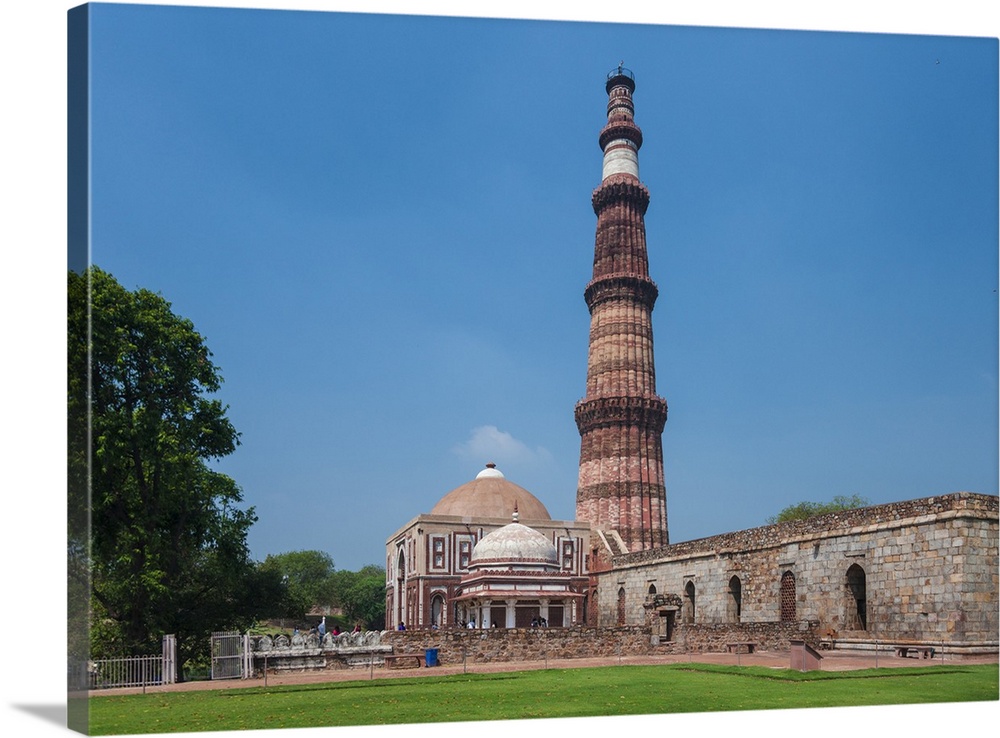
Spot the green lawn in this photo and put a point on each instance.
(620, 690)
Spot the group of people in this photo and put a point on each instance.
(320, 629)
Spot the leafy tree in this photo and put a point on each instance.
(167, 537)
(361, 596)
(804, 510)
(309, 576)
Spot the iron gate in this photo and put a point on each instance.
(228, 655)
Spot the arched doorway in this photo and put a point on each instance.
(437, 611)
(400, 587)
(787, 597)
(734, 603)
(856, 605)
(687, 614)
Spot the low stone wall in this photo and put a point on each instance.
(523, 644)
(712, 638)
(460, 645)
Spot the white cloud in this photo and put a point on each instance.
(487, 443)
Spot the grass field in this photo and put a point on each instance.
(612, 691)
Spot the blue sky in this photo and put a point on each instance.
(382, 227)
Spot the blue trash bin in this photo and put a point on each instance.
(431, 656)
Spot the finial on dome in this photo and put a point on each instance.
(490, 471)
(513, 518)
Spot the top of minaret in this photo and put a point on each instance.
(620, 75)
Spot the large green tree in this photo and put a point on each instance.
(167, 533)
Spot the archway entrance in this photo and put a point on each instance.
(687, 613)
(734, 605)
(856, 606)
(400, 587)
(437, 611)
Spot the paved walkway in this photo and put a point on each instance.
(832, 661)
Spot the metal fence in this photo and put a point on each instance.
(135, 671)
(132, 671)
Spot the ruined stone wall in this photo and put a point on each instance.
(922, 570)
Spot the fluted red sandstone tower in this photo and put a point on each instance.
(621, 491)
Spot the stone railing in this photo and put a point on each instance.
(302, 652)
(311, 641)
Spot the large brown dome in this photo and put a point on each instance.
(490, 495)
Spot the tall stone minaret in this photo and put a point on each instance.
(621, 491)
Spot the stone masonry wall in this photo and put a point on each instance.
(765, 636)
(523, 644)
(923, 570)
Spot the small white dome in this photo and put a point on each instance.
(514, 545)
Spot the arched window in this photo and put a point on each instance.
(651, 591)
(621, 606)
(787, 597)
(856, 605)
(734, 603)
(688, 613)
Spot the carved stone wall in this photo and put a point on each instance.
(306, 652)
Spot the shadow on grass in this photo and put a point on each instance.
(380, 684)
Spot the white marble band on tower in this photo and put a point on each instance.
(620, 157)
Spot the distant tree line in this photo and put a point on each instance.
(313, 582)
(805, 510)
